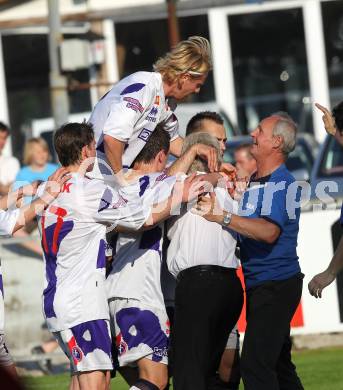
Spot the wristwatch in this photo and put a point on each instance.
(227, 218)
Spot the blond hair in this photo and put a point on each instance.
(199, 164)
(192, 56)
(28, 149)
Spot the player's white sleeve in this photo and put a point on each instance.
(127, 110)
(123, 207)
(170, 124)
(8, 219)
(158, 192)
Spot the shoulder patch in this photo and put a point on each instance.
(132, 88)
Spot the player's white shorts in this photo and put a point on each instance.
(233, 340)
(87, 346)
(5, 357)
(141, 331)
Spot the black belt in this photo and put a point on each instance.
(205, 269)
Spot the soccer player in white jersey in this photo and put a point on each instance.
(12, 220)
(73, 230)
(73, 239)
(127, 115)
(138, 314)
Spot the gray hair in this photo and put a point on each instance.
(199, 164)
(286, 128)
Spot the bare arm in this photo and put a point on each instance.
(176, 146)
(323, 279)
(114, 151)
(258, 229)
(183, 163)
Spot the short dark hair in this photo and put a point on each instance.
(337, 113)
(195, 124)
(159, 140)
(69, 140)
(4, 128)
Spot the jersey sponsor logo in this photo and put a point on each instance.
(76, 353)
(151, 119)
(134, 104)
(145, 134)
(157, 100)
(132, 88)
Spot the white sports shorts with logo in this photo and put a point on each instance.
(141, 331)
(87, 346)
(233, 340)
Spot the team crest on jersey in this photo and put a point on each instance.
(121, 345)
(144, 135)
(76, 353)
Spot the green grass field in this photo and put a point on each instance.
(319, 370)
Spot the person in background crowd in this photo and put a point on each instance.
(244, 160)
(334, 126)
(9, 166)
(268, 225)
(36, 168)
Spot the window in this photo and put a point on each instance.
(140, 44)
(332, 12)
(270, 67)
(332, 162)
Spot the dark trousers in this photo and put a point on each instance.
(208, 302)
(266, 355)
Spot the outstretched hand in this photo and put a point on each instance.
(319, 282)
(328, 119)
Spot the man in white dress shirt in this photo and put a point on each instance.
(209, 295)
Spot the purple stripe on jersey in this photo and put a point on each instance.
(101, 261)
(151, 239)
(1, 285)
(51, 265)
(143, 184)
(132, 88)
(142, 327)
(106, 200)
(93, 335)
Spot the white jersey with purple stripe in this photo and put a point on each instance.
(8, 220)
(73, 232)
(130, 112)
(136, 267)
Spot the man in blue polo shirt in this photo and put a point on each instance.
(268, 223)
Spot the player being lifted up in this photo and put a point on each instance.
(127, 115)
(73, 231)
